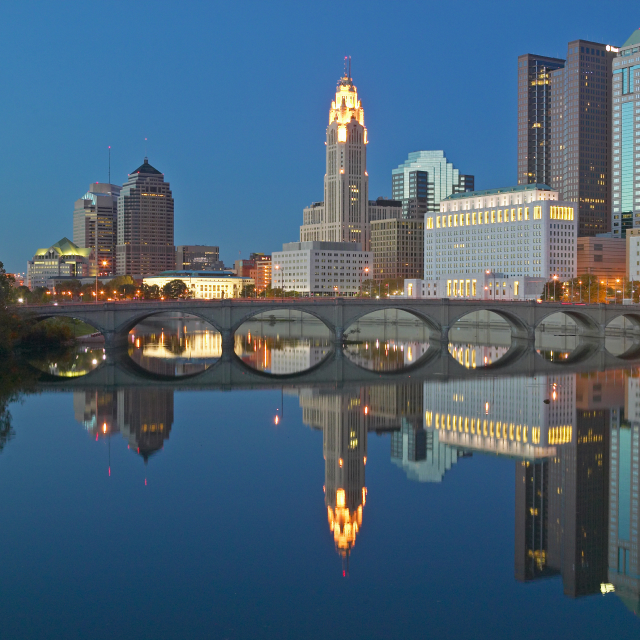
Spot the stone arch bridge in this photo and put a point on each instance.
(115, 319)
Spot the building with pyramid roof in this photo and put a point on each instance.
(62, 259)
(145, 224)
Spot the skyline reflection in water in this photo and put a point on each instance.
(426, 493)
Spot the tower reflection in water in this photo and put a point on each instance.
(143, 416)
(575, 441)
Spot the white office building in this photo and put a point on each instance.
(320, 268)
(520, 231)
(207, 285)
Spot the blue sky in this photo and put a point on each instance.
(234, 99)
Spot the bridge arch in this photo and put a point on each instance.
(435, 330)
(584, 321)
(519, 328)
(68, 313)
(134, 320)
(238, 322)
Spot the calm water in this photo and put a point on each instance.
(395, 507)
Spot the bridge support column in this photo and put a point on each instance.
(228, 345)
(338, 339)
(114, 341)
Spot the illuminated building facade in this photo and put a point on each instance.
(423, 180)
(534, 118)
(345, 213)
(95, 218)
(320, 268)
(626, 136)
(208, 285)
(397, 247)
(263, 271)
(581, 104)
(64, 258)
(480, 415)
(145, 224)
(517, 231)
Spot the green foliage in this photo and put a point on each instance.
(248, 291)
(53, 332)
(151, 292)
(175, 289)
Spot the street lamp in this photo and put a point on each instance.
(277, 267)
(615, 300)
(366, 270)
(335, 290)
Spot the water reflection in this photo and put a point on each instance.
(71, 362)
(174, 344)
(283, 342)
(471, 356)
(574, 441)
(388, 355)
(143, 416)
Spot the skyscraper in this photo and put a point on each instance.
(626, 108)
(346, 183)
(145, 224)
(534, 118)
(581, 133)
(424, 179)
(95, 218)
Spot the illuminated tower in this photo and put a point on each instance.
(343, 215)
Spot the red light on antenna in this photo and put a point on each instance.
(344, 573)
(96, 437)
(109, 471)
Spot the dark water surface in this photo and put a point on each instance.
(477, 508)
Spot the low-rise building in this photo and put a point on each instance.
(484, 285)
(397, 246)
(204, 284)
(602, 256)
(64, 258)
(320, 268)
(519, 231)
(262, 271)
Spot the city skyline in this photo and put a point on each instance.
(198, 155)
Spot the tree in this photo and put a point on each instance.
(6, 287)
(40, 295)
(175, 289)
(248, 291)
(151, 292)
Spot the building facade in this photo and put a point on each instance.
(424, 179)
(397, 246)
(625, 212)
(95, 218)
(581, 96)
(534, 118)
(342, 217)
(208, 285)
(263, 271)
(198, 257)
(519, 231)
(602, 257)
(64, 258)
(145, 224)
(320, 268)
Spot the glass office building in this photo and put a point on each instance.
(626, 137)
(424, 179)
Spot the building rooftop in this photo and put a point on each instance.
(145, 167)
(65, 247)
(634, 38)
(322, 245)
(198, 274)
(491, 192)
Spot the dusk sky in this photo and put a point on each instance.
(234, 100)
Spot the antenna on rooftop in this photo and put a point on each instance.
(349, 67)
(109, 164)
(145, 148)
(345, 66)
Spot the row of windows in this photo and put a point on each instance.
(489, 217)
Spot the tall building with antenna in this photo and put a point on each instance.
(346, 211)
(145, 224)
